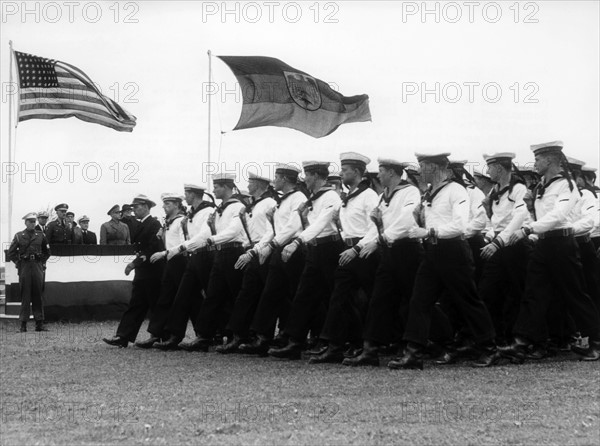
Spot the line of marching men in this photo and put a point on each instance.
(431, 267)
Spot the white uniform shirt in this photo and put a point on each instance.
(477, 215)
(509, 211)
(198, 230)
(256, 219)
(286, 219)
(320, 216)
(228, 225)
(553, 208)
(173, 236)
(584, 215)
(396, 215)
(448, 213)
(355, 216)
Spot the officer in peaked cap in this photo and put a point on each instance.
(554, 267)
(146, 281)
(59, 231)
(87, 237)
(128, 218)
(42, 217)
(29, 251)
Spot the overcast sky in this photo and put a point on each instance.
(507, 76)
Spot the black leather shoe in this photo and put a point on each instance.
(329, 356)
(148, 343)
(592, 353)
(488, 359)
(117, 341)
(317, 350)
(537, 352)
(290, 351)
(39, 326)
(230, 347)
(412, 359)
(197, 345)
(23, 327)
(170, 344)
(515, 352)
(353, 352)
(370, 358)
(259, 347)
(447, 357)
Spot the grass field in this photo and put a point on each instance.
(68, 387)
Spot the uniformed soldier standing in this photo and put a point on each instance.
(146, 282)
(447, 265)
(589, 176)
(87, 237)
(282, 278)
(554, 268)
(194, 282)
(29, 251)
(324, 245)
(115, 232)
(128, 218)
(256, 225)
(42, 217)
(59, 231)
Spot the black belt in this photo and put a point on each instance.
(203, 249)
(435, 241)
(31, 258)
(403, 241)
(584, 238)
(229, 245)
(327, 239)
(556, 233)
(351, 242)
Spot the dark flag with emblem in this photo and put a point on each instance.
(276, 94)
(50, 89)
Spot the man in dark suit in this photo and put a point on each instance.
(42, 217)
(146, 282)
(83, 235)
(128, 218)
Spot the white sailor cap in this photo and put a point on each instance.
(388, 162)
(334, 177)
(287, 169)
(170, 196)
(547, 147)
(43, 214)
(223, 178)
(253, 176)
(194, 187)
(574, 163)
(83, 218)
(434, 157)
(499, 156)
(30, 216)
(313, 166)
(588, 169)
(354, 158)
(457, 163)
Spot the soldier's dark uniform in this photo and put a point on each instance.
(59, 232)
(29, 250)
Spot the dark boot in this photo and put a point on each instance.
(291, 351)
(592, 353)
(39, 326)
(259, 347)
(412, 358)
(334, 354)
(230, 347)
(148, 343)
(197, 345)
(489, 357)
(170, 344)
(23, 328)
(369, 356)
(516, 351)
(117, 341)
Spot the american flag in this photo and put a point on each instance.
(50, 89)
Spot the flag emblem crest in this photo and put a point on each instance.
(304, 90)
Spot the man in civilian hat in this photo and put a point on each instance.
(400, 257)
(226, 236)
(172, 235)
(503, 278)
(115, 232)
(42, 217)
(194, 281)
(128, 218)
(282, 278)
(29, 251)
(87, 236)
(253, 219)
(554, 267)
(447, 265)
(343, 322)
(146, 282)
(324, 245)
(59, 231)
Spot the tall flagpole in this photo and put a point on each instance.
(209, 110)
(10, 149)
